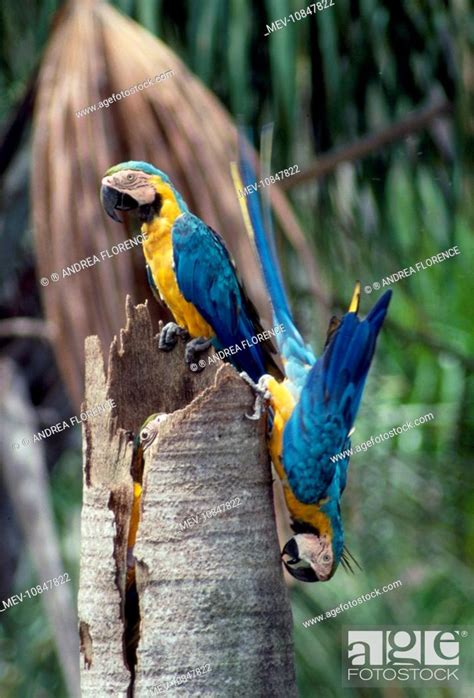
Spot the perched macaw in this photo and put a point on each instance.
(190, 269)
(141, 442)
(314, 407)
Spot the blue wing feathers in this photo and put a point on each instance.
(207, 279)
(347, 359)
(326, 411)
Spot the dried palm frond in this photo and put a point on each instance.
(176, 124)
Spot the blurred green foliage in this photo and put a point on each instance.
(325, 81)
(28, 661)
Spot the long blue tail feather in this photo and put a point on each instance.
(297, 356)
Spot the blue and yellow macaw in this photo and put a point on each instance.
(190, 269)
(141, 442)
(315, 406)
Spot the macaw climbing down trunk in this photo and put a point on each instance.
(190, 269)
(314, 407)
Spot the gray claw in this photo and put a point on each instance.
(191, 353)
(169, 336)
(258, 408)
(262, 395)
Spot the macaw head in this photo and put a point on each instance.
(149, 430)
(142, 441)
(315, 551)
(137, 186)
(319, 555)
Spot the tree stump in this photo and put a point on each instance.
(214, 611)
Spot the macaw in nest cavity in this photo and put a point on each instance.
(141, 442)
(314, 407)
(190, 269)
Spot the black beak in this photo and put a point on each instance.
(303, 574)
(113, 200)
(291, 549)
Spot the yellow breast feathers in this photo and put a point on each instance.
(283, 403)
(158, 250)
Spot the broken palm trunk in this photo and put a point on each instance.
(214, 617)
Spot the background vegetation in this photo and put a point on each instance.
(325, 81)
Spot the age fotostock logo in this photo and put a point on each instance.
(406, 656)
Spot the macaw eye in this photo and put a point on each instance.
(326, 558)
(145, 435)
(130, 177)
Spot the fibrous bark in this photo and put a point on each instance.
(210, 587)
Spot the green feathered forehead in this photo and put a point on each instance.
(145, 167)
(140, 166)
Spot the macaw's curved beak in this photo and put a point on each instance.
(302, 574)
(113, 200)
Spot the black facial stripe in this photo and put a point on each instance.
(126, 202)
(303, 527)
(148, 211)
